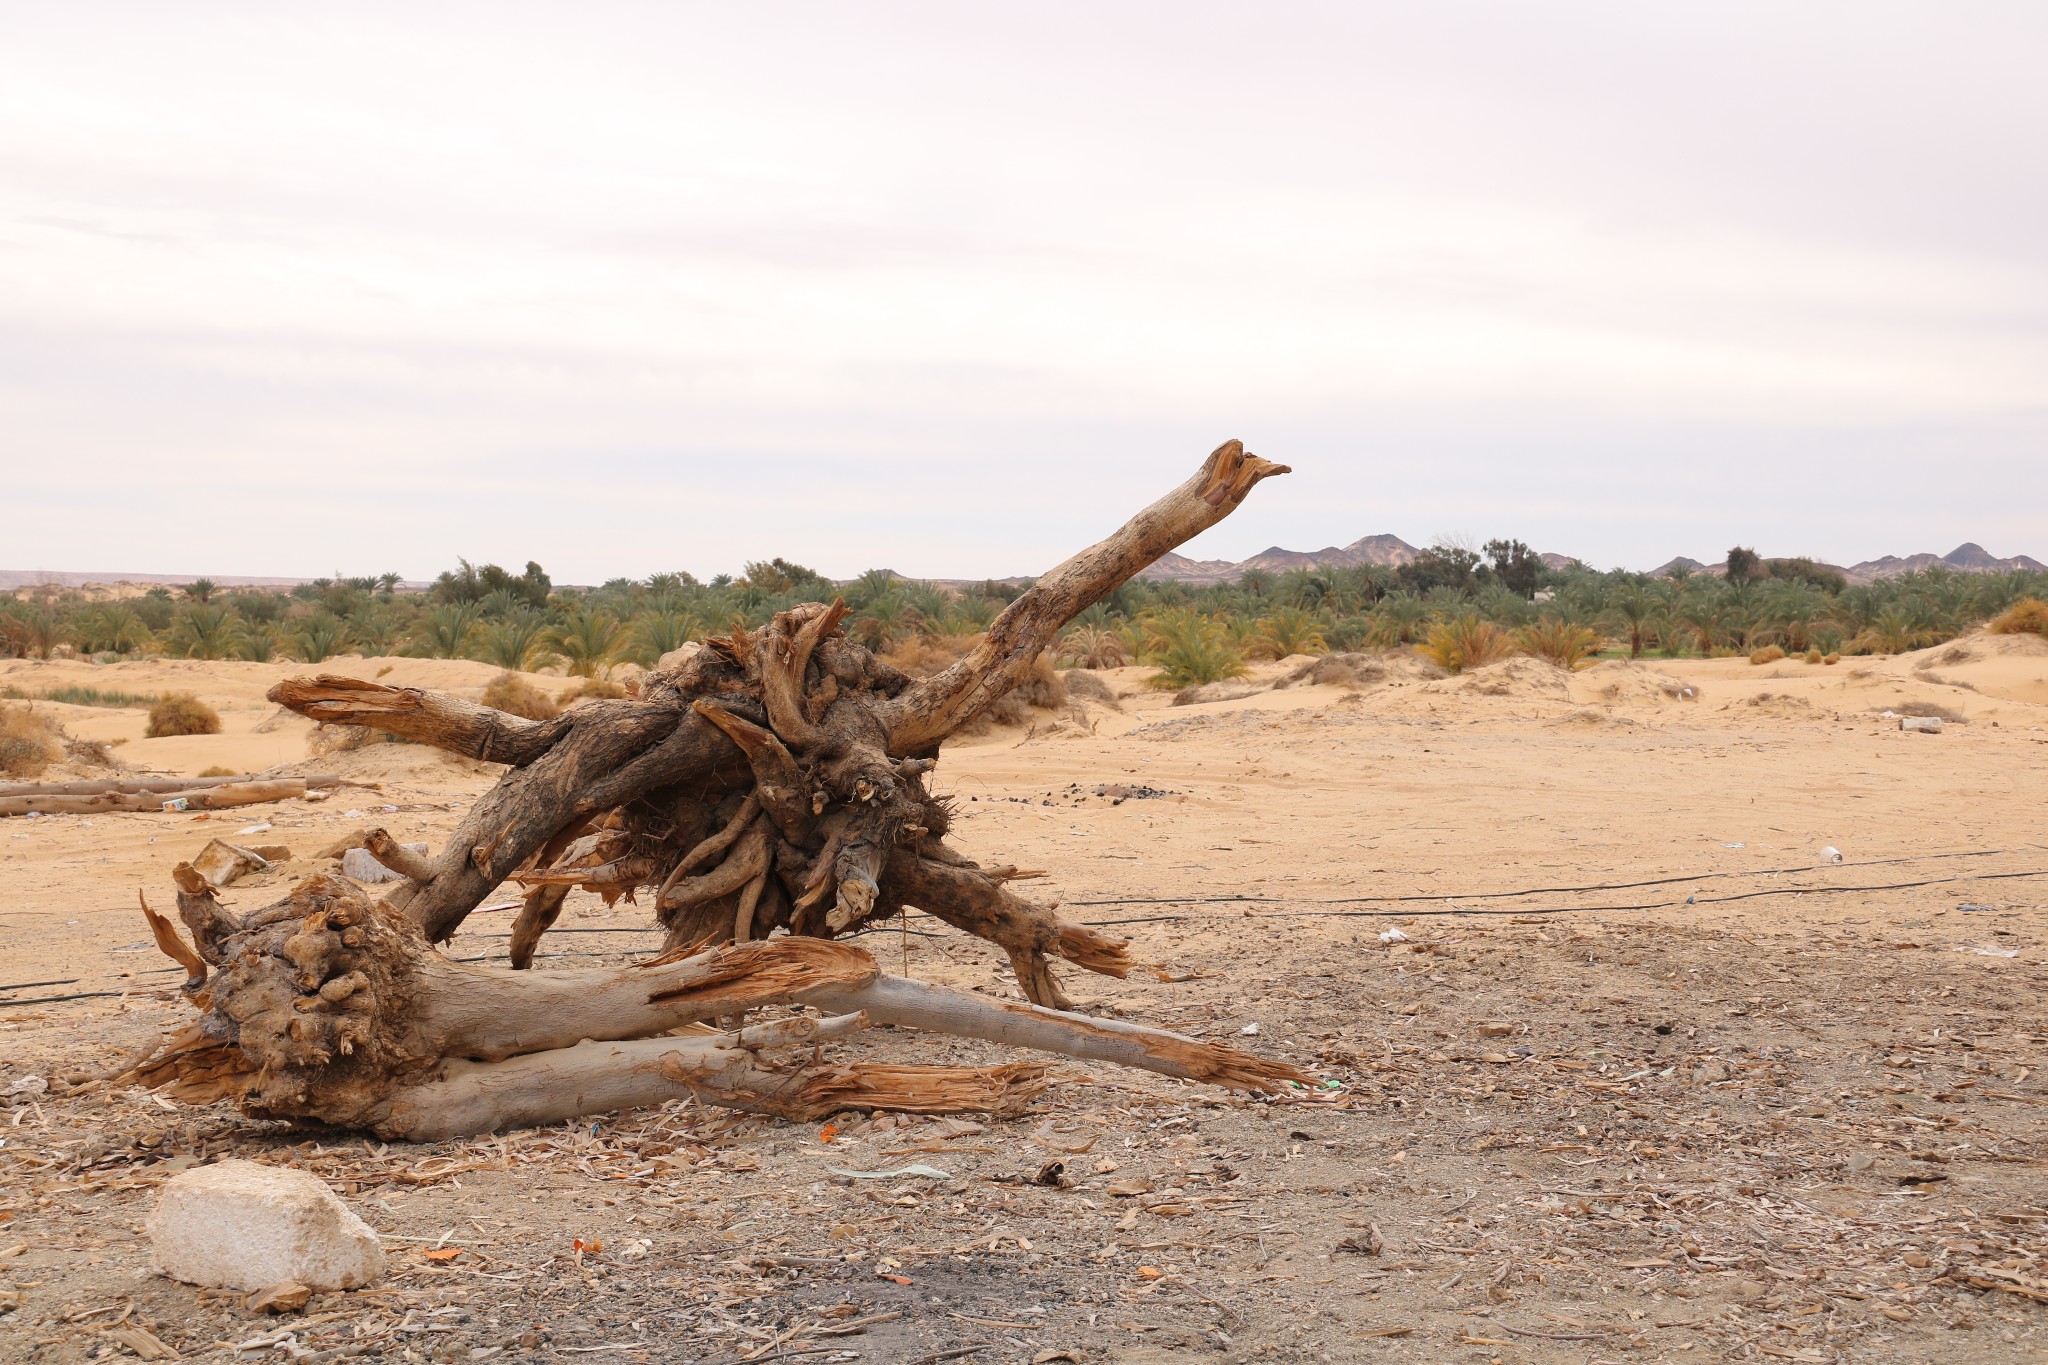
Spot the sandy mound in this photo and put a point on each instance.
(1622, 682)
(1780, 704)
(1592, 719)
(1359, 670)
(1515, 679)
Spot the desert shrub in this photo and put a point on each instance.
(2028, 616)
(922, 655)
(1093, 647)
(1191, 649)
(29, 742)
(1831, 659)
(217, 771)
(1465, 641)
(181, 713)
(591, 689)
(1769, 654)
(1089, 687)
(1561, 642)
(510, 692)
(1041, 688)
(1337, 670)
(1814, 656)
(1291, 630)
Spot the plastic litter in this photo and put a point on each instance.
(1392, 936)
(1831, 854)
(928, 1172)
(27, 1087)
(1250, 1030)
(177, 803)
(1975, 909)
(1982, 951)
(256, 828)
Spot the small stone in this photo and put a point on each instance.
(288, 1297)
(240, 1225)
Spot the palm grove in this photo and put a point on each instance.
(1459, 606)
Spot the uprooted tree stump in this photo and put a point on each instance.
(764, 780)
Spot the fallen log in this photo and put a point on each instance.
(196, 798)
(767, 790)
(314, 782)
(329, 1008)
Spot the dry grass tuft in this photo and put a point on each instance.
(1929, 708)
(589, 689)
(923, 655)
(1831, 659)
(29, 742)
(1769, 654)
(510, 692)
(1814, 656)
(2028, 616)
(217, 771)
(1041, 688)
(181, 713)
(327, 740)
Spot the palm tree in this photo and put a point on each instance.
(443, 632)
(1093, 647)
(1398, 619)
(511, 642)
(201, 590)
(587, 640)
(1895, 629)
(1292, 630)
(204, 632)
(654, 634)
(1637, 611)
(885, 619)
(320, 636)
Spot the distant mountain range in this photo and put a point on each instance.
(1969, 557)
(1383, 549)
(1394, 551)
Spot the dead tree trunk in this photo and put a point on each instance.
(765, 780)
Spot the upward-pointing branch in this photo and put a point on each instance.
(929, 711)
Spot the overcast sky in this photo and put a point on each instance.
(954, 288)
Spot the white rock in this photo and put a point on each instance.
(238, 1225)
(1930, 725)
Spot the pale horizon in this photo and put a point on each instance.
(954, 291)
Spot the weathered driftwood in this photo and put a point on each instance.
(94, 786)
(220, 797)
(331, 1008)
(768, 780)
(772, 779)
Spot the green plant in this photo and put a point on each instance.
(513, 641)
(1563, 643)
(443, 632)
(1093, 647)
(587, 641)
(1465, 641)
(318, 638)
(205, 632)
(181, 713)
(1292, 630)
(2028, 616)
(1190, 649)
(73, 695)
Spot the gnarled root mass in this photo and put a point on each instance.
(327, 1007)
(768, 780)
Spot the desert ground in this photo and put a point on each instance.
(1613, 1062)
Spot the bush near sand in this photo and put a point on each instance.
(2029, 616)
(29, 742)
(181, 713)
(1769, 654)
(510, 692)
